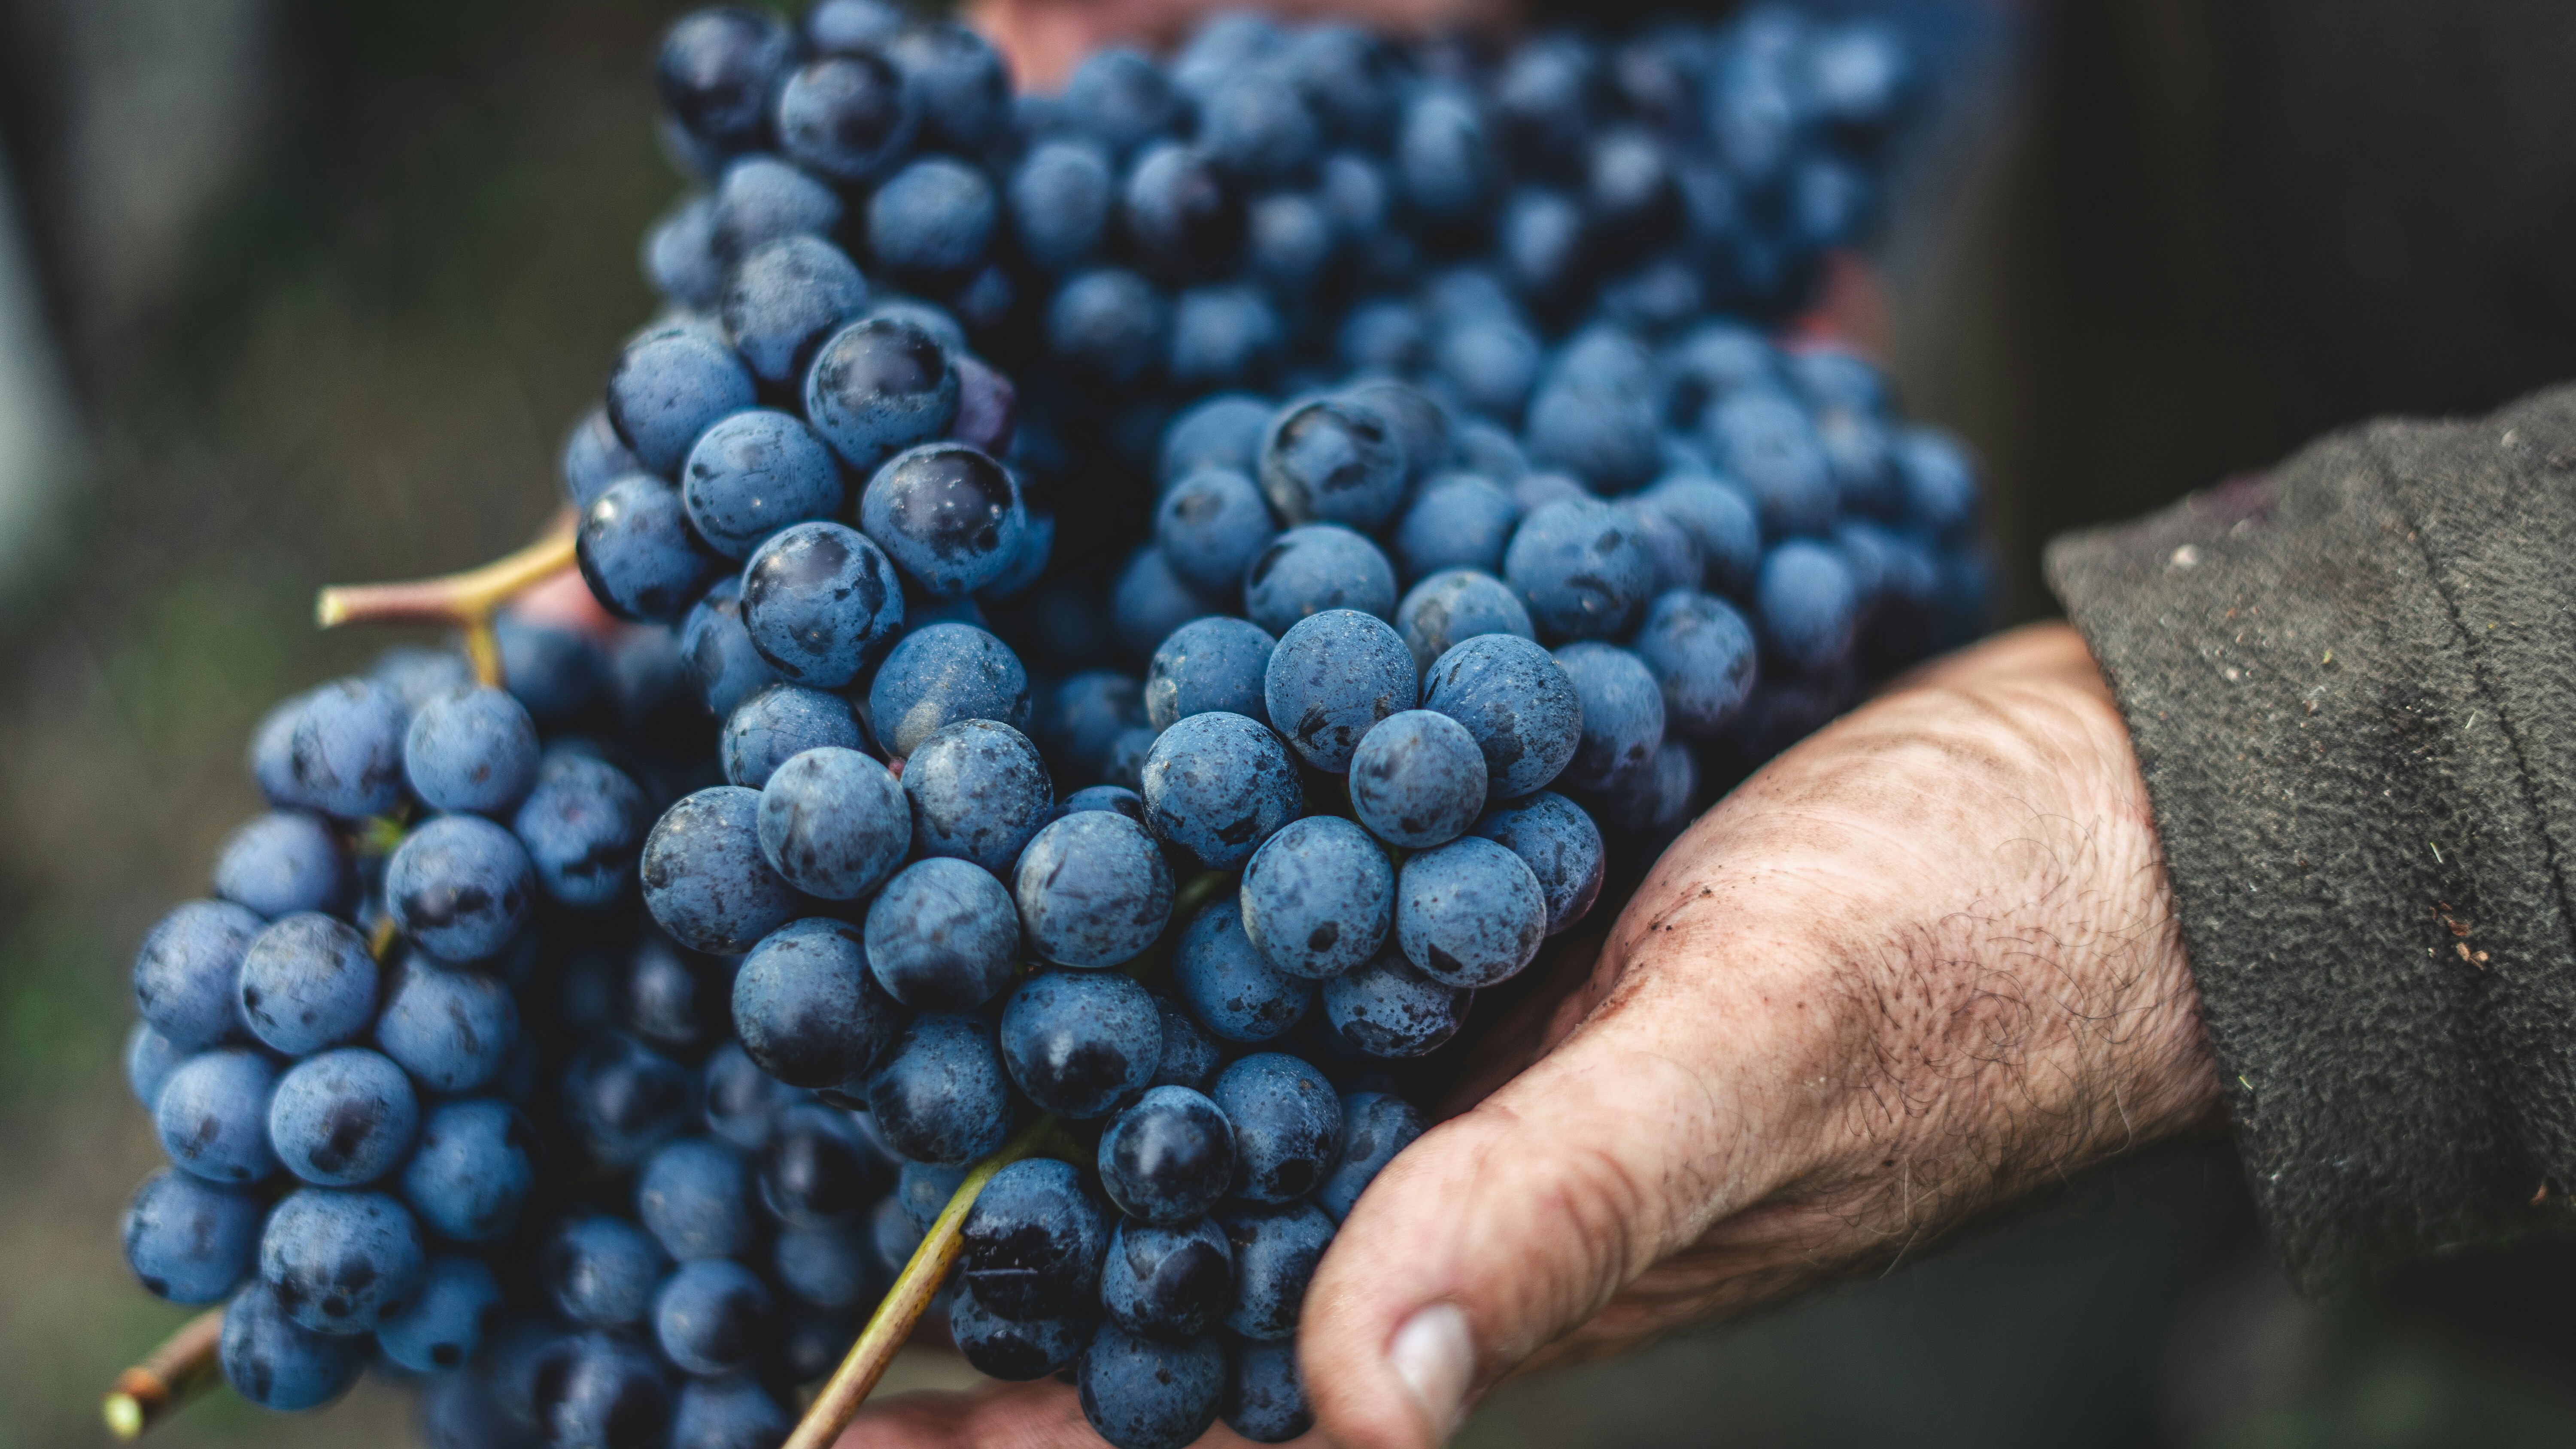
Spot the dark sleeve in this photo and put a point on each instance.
(2352, 686)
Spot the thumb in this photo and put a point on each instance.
(1502, 1229)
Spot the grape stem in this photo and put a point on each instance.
(466, 600)
(891, 1324)
(150, 1391)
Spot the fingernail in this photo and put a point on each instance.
(1434, 1356)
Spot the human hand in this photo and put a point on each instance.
(1920, 965)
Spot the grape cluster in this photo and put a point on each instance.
(1139, 605)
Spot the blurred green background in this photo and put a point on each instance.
(316, 288)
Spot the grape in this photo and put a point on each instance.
(1168, 1158)
(1058, 202)
(759, 199)
(679, 261)
(188, 1240)
(558, 674)
(1181, 212)
(1191, 1058)
(1673, 552)
(1287, 1125)
(757, 471)
(1561, 846)
(475, 749)
(944, 935)
(978, 792)
(593, 458)
(1388, 1008)
(848, 115)
(1517, 702)
(1226, 982)
(1417, 779)
(460, 887)
(1332, 678)
(817, 1167)
(781, 721)
(1537, 490)
(307, 982)
(277, 1363)
(1223, 337)
(1623, 715)
(708, 1317)
(582, 826)
(474, 1169)
(1014, 1351)
(452, 1030)
(1375, 1127)
(1334, 461)
(1216, 785)
(740, 1096)
(733, 1412)
(604, 1389)
(442, 1327)
(1318, 897)
(1442, 152)
(819, 602)
(637, 551)
(1108, 320)
(716, 652)
(1140, 1394)
(879, 386)
(933, 218)
(941, 674)
(1276, 1247)
(1210, 526)
(675, 1000)
(1808, 604)
(694, 1197)
(1291, 238)
(1168, 1283)
(622, 1099)
(1214, 663)
(1079, 1042)
(1456, 605)
(281, 863)
(806, 1008)
(1092, 890)
(1581, 569)
(832, 822)
(829, 1267)
(716, 69)
(704, 877)
(150, 1058)
(187, 974)
(669, 384)
(1701, 653)
(1384, 335)
(339, 1260)
(1455, 521)
(1265, 1401)
(940, 1094)
(965, 88)
(343, 1118)
(1313, 569)
(600, 1271)
(1223, 432)
(1033, 1241)
(1121, 98)
(344, 754)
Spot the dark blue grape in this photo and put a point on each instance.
(831, 1266)
(1058, 202)
(1257, 127)
(1191, 1058)
(188, 1240)
(1168, 1158)
(922, 1191)
(940, 1095)
(1265, 1400)
(760, 199)
(964, 86)
(679, 260)
(668, 386)
(1222, 432)
(1230, 987)
(1558, 841)
(1218, 784)
(1442, 153)
(593, 458)
(475, 749)
(1079, 1042)
(472, 1171)
(705, 879)
(949, 516)
(622, 1099)
(833, 823)
(344, 753)
(1033, 1242)
(820, 602)
(1226, 336)
(1375, 1127)
(638, 553)
(1418, 424)
(307, 982)
(1015, 1352)
(1456, 521)
(757, 471)
(694, 1197)
(1313, 568)
(1455, 605)
(1108, 323)
(732, 1412)
(879, 386)
(582, 826)
(1674, 553)
(150, 1058)
(1623, 715)
(1515, 699)
(1702, 654)
(1537, 490)
(1808, 603)
(463, 1411)
(187, 975)
(1541, 239)
(443, 1326)
(1333, 677)
(1581, 568)
(943, 935)
(1657, 799)
(1037, 548)
(1141, 1394)
(1287, 1125)
(418, 673)
(280, 1365)
(716, 70)
(1291, 239)
(338, 1260)
(604, 1389)
(1491, 361)
(978, 792)
(1384, 335)
(283, 862)
(1318, 897)
(711, 1317)
(1149, 601)
(1765, 440)
(1087, 714)
(559, 674)
(848, 115)
(1939, 483)
(1181, 212)
(1333, 460)
(460, 887)
(1417, 779)
(1470, 913)
(1168, 1283)
(1721, 520)
(934, 218)
(740, 1097)
(778, 724)
(1387, 1008)
(452, 1030)
(675, 1000)
(1211, 664)
(343, 1118)
(1093, 890)
(1121, 98)
(1276, 1247)
(805, 1008)
(600, 1271)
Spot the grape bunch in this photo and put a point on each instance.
(1136, 606)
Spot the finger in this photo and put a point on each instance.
(1504, 1227)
